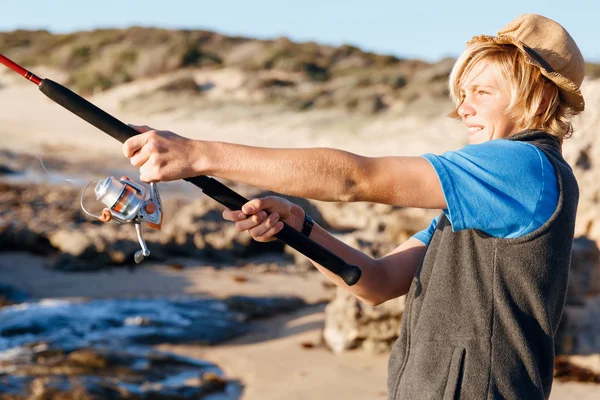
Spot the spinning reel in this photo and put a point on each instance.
(128, 202)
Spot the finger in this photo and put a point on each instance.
(268, 236)
(271, 201)
(265, 203)
(149, 174)
(251, 222)
(262, 228)
(235, 216)
(133, 144)
(139, 158)
(227, 215)
(253, 206)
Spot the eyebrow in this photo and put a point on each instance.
(476, 86)
(473, 87)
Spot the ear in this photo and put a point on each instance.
(545, 101)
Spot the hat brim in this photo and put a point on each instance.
(569, 90)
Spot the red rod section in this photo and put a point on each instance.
(20, 70)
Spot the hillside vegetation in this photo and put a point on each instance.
(298, 75)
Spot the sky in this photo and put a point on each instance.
(429, 30)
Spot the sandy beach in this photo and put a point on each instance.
(281, 358)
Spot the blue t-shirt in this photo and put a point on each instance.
(504, 188)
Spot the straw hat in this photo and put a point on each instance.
(547, 45)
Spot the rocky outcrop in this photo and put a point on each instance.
(46, 219)
(43, 372)
(582, 151)
(351, 324)
(584, 273)
(579, 330)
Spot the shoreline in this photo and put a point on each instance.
(281, 357)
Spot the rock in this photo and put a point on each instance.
(9, 295)
(350, 324)
(19, 237)
(585, 267)
(565, 370)
(88, 358)
(43, 222)
(91, 248)
(591, 362)
(103, 373)
(73, 242)
(261, 307)
(578, 332)
(5, 170)
(198, 229)
(382, 222)
(11, 162)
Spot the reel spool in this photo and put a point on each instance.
(128, 202)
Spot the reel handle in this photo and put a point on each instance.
(211, 187)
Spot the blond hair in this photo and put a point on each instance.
(527, 87)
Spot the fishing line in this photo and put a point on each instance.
(49, 174)
(83, 191)
(81, 199)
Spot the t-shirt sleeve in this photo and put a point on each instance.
(425, 235)
(505, 188)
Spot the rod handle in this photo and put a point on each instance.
(234, 201)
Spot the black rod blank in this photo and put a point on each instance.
(211, 187)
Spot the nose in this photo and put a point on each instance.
(466, 108)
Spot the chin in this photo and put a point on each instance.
(480, 137)
(476, 139)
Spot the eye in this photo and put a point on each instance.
(482, 92)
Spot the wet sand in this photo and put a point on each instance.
(281, 357)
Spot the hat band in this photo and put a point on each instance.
(533, 54)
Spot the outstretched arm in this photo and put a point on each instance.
(317, 173)
(326, 174)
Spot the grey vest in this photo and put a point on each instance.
(482, 312)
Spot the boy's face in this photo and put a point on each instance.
(484, 103)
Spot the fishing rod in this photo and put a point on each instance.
(210, 186)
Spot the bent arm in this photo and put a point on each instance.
(382, 279)
(325, 174)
